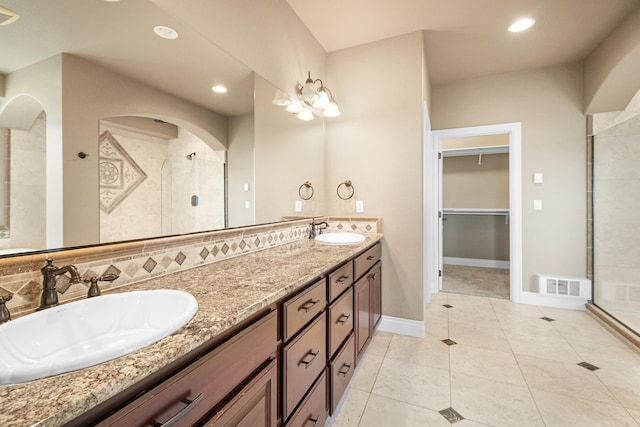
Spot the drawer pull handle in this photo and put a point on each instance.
(174, 419)
(313, 420)
(343, 318)
(371, 258)
(342, 279)
(313, 355)
(309, 305)
(342, 371)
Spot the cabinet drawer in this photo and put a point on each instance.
(303, 360)
(340, 321)
(313, 411)
(365, 261)
(299, 310)
(341, 371)
(199, 387)
(254, 405)
(340, 280)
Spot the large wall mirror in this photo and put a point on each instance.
(103, 123)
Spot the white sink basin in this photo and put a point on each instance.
(340, 238)
(88, 332)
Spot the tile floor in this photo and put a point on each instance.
(508, 367)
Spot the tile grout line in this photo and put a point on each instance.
(535, 402)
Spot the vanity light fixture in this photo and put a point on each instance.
(219, 89)
(165, 32)
(310, 98)
(521, 25)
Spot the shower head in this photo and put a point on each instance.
(191, 156)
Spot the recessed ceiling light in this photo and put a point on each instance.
(521, 25)
(219, 89)
(165, 32)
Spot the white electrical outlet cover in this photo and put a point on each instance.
(359, 206)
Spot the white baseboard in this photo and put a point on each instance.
(474, 262)
(398, 325)
(556, 301)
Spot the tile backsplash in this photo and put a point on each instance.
(140, 260)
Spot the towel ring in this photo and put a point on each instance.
(348, 186)
(307, 186)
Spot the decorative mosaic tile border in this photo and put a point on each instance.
(145, 259)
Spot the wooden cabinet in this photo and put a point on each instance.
(367, 297)
(195, 391)
(340, 280)
(362, 311)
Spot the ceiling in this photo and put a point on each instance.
(119, 36)
(469, 38)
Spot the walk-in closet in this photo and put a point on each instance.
(475, 209)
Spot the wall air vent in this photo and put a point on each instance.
(7, 16)
(564, 286)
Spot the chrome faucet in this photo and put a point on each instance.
(317, 228)
(49, 296)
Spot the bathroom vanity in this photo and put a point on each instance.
(275, 342)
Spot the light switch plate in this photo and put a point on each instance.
(298, 206)
(359, 206)
(246, 204)
(537, 178)
(246, 187)
(537, 205)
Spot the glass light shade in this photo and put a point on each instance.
(305, 114)
(309, 93)
(294, 107)
(281, 99)
(323, 100)
(332, 110)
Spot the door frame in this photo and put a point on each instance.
(432, 194)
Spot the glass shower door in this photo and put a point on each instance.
(616, 221)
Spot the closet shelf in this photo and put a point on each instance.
(474, 211)
(474, 151)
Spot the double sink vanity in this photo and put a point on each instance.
(275, 340)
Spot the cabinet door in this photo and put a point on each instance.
(340, 321)
(362, 311)
(254, 405)
(375, 279)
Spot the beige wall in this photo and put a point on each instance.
(377, 144)
(288, 152)
(611, 71)
(240, 171)
(467, 184)
(548, 102)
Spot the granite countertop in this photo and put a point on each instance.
(227, 292)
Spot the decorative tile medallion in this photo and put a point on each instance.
(449, 341)
(548, 319)
(588, 366)
(119, 173)
(447, 306)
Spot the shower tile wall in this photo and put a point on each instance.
(616, 221)
(136, 216)
(28, 186)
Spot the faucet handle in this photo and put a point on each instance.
(94, 290)
(5, 316)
